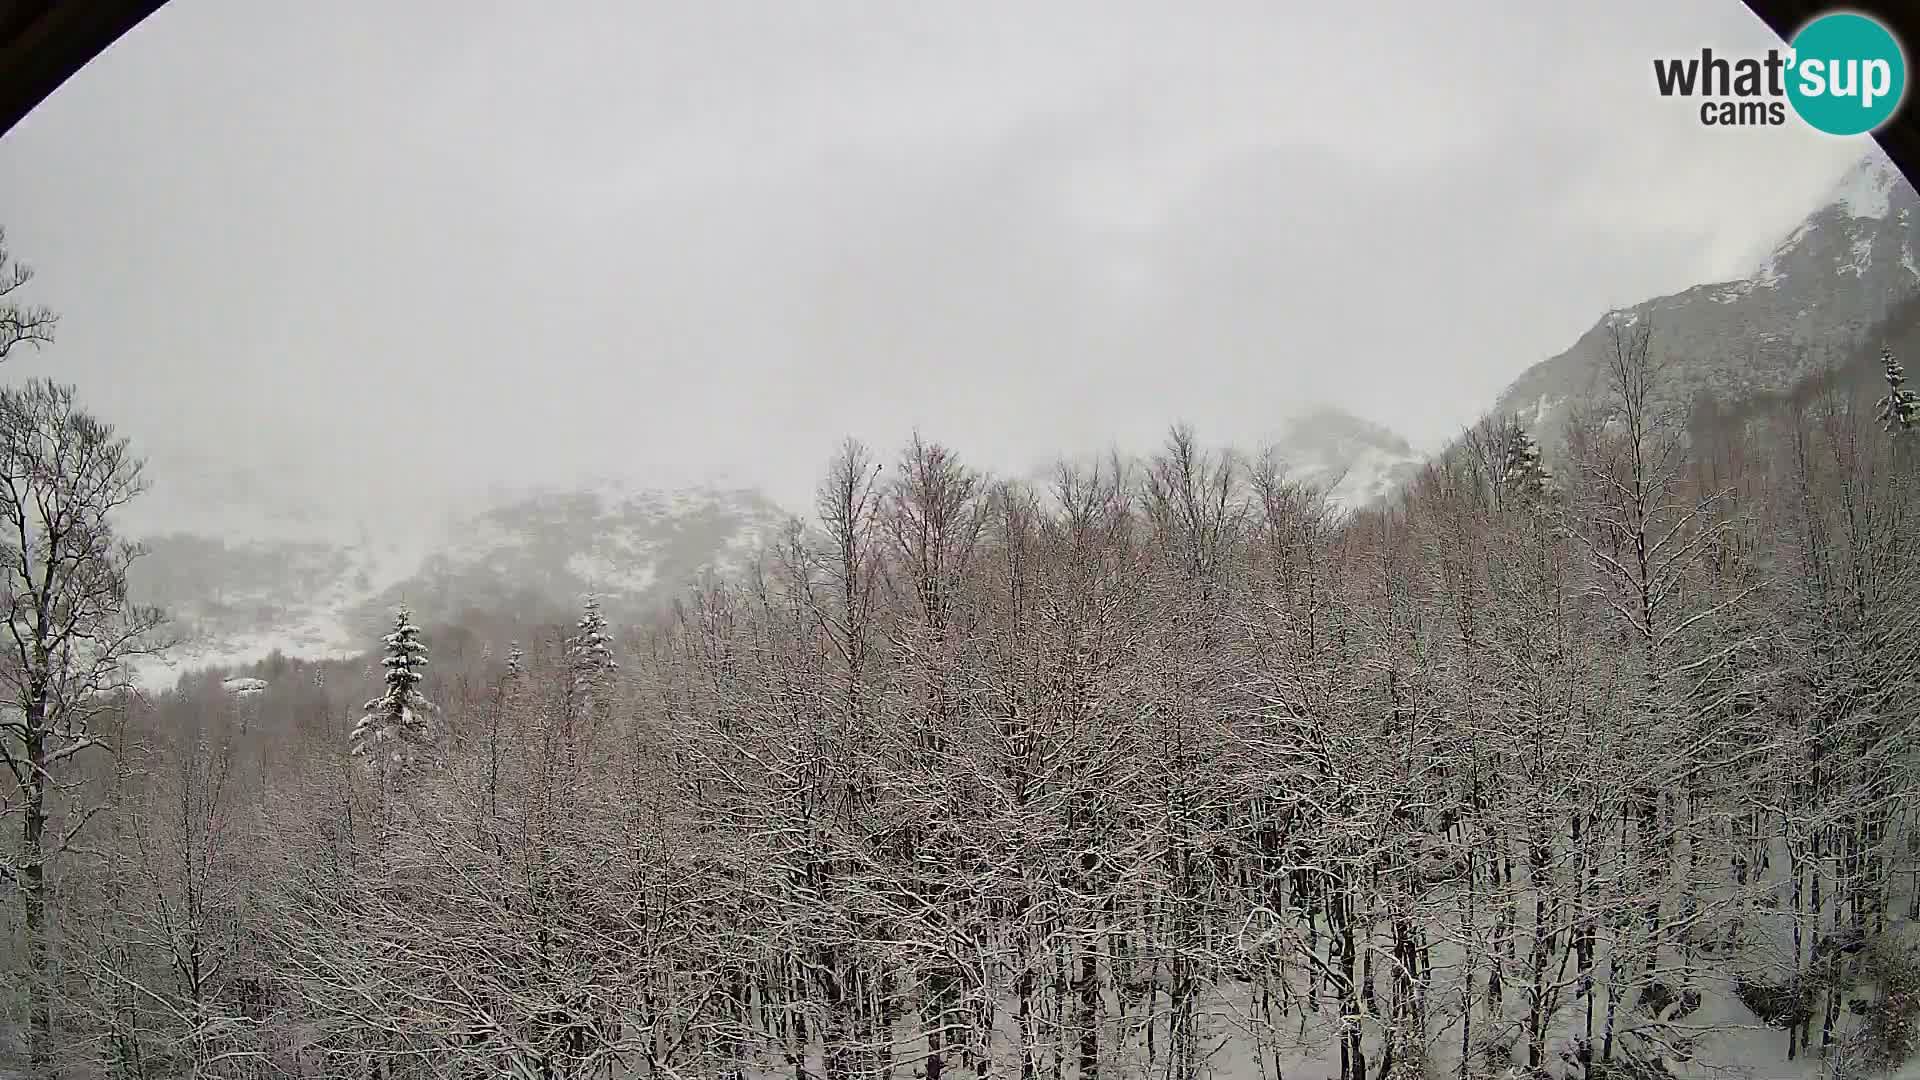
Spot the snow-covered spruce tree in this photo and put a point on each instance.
(400, 731)
(590, 651)
(1900, 408)
(1526, 474)
(589, 692)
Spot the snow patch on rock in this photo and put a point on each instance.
(1866, 191)
(1862, 256)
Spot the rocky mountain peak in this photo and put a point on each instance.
(1854, 259)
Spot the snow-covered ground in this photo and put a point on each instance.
(1719, 1039)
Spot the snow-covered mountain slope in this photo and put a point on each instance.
(1358, 461)
(631, 547)
(1811, 301)
(325, 586)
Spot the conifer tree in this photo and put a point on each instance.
(590, 651)
(590, 666)
(1526, 475)
(1900, 409)
(400, 730)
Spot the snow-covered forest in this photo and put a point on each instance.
(1597, 767)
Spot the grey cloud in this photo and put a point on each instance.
(441, 245)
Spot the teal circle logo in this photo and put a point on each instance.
(1847, 74)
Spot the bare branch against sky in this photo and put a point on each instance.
(512, 239)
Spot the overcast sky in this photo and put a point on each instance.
(440, 243)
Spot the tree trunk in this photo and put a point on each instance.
(33, 902)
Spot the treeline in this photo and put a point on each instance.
(1164, 768)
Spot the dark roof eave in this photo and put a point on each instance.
(43, 42)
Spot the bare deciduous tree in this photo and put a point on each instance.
(71, 630)
(20, 324)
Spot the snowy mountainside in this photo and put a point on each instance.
(324, 586)
(1823, 288)
(632, 548)
(1361, 461)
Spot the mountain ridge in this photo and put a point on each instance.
(1817, 295)
(237, 598)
